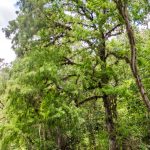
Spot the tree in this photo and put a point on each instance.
(122, 8)
(72, 71)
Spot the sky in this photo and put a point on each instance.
(7, 13)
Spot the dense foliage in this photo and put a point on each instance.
(75, 83)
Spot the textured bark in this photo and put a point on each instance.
(133, 64)
(110, 123)
(108, 104)
(61, 140)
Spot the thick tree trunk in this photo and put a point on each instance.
(133, 64)
(61, 140)
(108, 103)
(110, 122)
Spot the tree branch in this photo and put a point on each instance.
(68, 61)
(123, 11)
(109, 33)
(89, 99)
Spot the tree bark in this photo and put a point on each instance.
(122, 8)
(108, 104)
(110, 123)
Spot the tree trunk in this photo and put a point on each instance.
(122, 8)
(61, 140)
(108, 103)
(110, 122)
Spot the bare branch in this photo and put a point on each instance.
(89, 99)
(109, 33)
(68, 61)
(123, 11)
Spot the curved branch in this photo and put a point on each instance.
(89, 99)
(122, 8)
